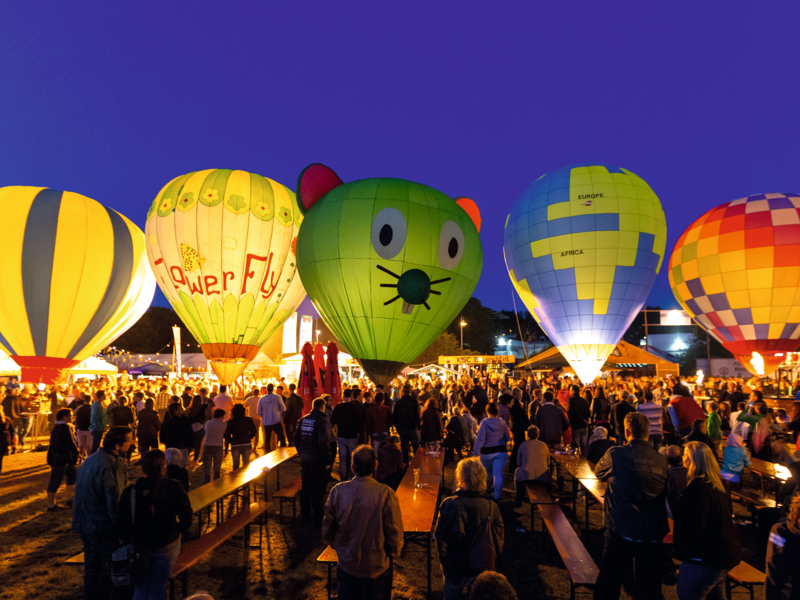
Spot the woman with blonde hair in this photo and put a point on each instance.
(704, 536)
(460, 517)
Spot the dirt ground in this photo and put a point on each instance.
(34, 545)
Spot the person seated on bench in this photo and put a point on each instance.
(735, 458)
(783, 556)
(174, 470)
(635, 511)
(390, 462)
(154, 520)
(364, 525)
(460, 518)
(534, 464)
(704, 536)
(599, 446)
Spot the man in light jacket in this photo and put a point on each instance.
(364, 526)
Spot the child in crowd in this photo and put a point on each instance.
(734, 459)
(174, 471)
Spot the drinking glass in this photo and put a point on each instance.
(416, 478)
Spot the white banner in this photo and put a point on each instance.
(176, 332)
(290, 335)
(306, 329)
(675, 317)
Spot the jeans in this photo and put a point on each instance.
(494, 465)
(211, 453)
(278, 429)
(346, 449)
(580, 439)
(315, 480)
(241, 452)
(406, 438)
(21, 426)
(361, 588)
(620, 556)
(156, 567)
(84, 439)
(697, 582)
(96, 574)
(97, 437)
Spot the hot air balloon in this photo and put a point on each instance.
(583, 246)
(221, 244)
(74, 278)
(736, 271)
(388, 263)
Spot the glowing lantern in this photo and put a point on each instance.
(583, 246)
(74, 278)
(221, 244)
(736, 270)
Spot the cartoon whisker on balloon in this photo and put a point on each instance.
(385, 270)
(434, 283)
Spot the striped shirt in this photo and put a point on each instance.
(653, 412)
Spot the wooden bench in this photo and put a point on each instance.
(330, 559)
(192, 552)
(746, 576)
(582, 570)
(754, 499)
(537, 494)
(287, 493)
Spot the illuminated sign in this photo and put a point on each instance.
(675, 317)
(290, 335)
(490, 359)
(306, 329)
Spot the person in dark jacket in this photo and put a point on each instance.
(551, 421)
(149, 426)
(600, 408)
(174, 471)
(198, 415)
(62, 456)
(579, 414)
(704, 536)
(312, 439)
(460, 517)
(783, 556)
(176, 431)
(390, 463)
(432, 428)
(294, 410)
(456, 437)
(6, 436)
(406, 418)
(698, 434)
(239, 434)
(153, 514)
(348, 419)
(635, 512)
(476, 400)
(102, 478)
(599, 446)
(677, 477)
(519, 426)
(618, 413)
(122, 416)
(82, 416)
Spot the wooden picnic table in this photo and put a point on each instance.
(427, 464)
(418, 508)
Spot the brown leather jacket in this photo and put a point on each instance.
(364, 526)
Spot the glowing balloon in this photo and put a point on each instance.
(583, 246)
(221, 244)
(736, 270)
(74, 278)
(388, 263)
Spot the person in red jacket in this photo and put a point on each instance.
(684, 410)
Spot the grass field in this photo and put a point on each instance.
(34, 544)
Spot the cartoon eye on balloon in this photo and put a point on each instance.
(376, 294)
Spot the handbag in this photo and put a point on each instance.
(125, 563)
(484, 552)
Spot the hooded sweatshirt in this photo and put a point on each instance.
(493, 434)
(734, 458)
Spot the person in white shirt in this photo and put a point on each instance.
(251, 402)
(271, 409)
(223, 401)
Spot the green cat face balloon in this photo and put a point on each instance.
(388, 263)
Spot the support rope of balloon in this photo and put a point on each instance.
(388, 264)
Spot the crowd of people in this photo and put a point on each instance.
(657, 442)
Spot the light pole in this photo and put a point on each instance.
(463, 324)
(317, 335)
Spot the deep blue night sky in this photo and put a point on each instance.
(699, 99)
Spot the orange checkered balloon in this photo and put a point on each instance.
(736, 270)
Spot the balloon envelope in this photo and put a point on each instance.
(736, 270)
(388, 263)
(74, 278)
(221, 244)
(583, 246)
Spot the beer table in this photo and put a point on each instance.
(38, 419)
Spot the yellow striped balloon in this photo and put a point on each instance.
(74, 276)
(221, 244)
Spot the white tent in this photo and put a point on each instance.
(8, 368)
(93, 366)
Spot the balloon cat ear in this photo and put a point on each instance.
(469, 206)
(314, 182)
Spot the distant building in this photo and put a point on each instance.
(674, 343)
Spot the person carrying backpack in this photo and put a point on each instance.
(469, 531)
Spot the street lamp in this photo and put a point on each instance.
(463, 324)
(317, 335)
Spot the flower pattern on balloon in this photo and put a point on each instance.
(236, 203)
(210, 197)
(262, 210)
(285, 215)
(187, 201)
(165, 206)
